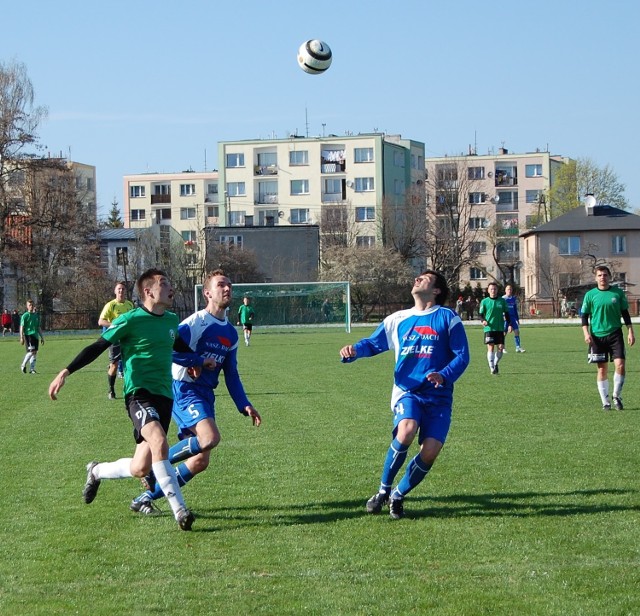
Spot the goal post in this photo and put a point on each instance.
(292, 303)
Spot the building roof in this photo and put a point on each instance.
(118, 234)
(601, 218)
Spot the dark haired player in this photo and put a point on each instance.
(431, 352)
(606, 305)
(494, 314)
(147, 335)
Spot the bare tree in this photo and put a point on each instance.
(19, 121)
(456, 219)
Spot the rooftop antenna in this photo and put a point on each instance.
(205, 159)
(306, 122)
(323, 125)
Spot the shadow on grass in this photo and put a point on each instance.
(498, 504)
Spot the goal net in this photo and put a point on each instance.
(292, 303)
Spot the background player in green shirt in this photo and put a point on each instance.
(30, 333)
(147, 335)
(606, 305)
(493, 313)
(245, 318)
(111, 311)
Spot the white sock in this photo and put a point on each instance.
(33, 363)
(491, 358)
(120, 469)
(166, 477)
(27, 358)
(498, 357)
(618, 382)
(603, 388)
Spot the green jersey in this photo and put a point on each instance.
(245, 314)
(146, 341)
(493, 311)
(30, 323)
(605, 308)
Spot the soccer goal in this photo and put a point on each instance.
(292, 303)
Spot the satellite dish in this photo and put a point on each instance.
(280, 214)
(590, 200)
(490, 174)
(349, 183)
(495, 199)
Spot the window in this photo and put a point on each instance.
(364, 184)
(365, 241)
(299, 216)
(478, 223)
(122, 255)
(333, 186)
(398, 187)
(299, 157)
(268, 191)
(163, 214)
(236, 219)
(507, 201)
(476, 173)
(363, 155)
(365, 213)
(299, 187)
(533, 171)
(136, 191)
(533, 196)
(236, 189)
(398, 159)
(162, 189)
(231, 241)
(90, 184)
(235, 160)
(187, 190)
(190, 236)
(213, 211)
(567, 280)
(267, 159)
(187, 213)
(476, 197)
(137, 215)
(569, 245)
(267, 218)
(619, 244)
(212, 189)
(475, 273)
(478, 248)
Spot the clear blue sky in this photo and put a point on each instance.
(137, 86)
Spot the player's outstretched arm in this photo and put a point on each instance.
(256, 420)
(57, 384)
(348, 352)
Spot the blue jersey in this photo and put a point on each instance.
(424, 341)
(512, 305)
(210, 337)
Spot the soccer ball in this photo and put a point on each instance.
(314, 57)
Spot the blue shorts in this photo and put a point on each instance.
(433, 416)
(515, 325)
(190, 406)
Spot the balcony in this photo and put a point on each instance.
(160, 199)
(337, 167)
(265, 170)
(265, 199)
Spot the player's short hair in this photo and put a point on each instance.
(210, 275)
(601, 268)
(441, 284)
(146, 278)
(120, 282)
(492, 284)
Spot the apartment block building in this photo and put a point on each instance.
(314, 180)
(498, 197)
(186, 201)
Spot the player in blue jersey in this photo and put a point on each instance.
(210, 335)
(431, 352)
(512, 304)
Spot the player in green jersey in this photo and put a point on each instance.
(606, 305)
(30, 333)
(493, 313)
(147, 336)
(245, 318)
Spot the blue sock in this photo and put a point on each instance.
(517, 342)
(183, 474)
(184, 449)
(416, 471)
(396, 455)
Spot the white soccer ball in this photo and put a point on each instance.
(314, 57)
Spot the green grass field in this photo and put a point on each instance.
(532, 508)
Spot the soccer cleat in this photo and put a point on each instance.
(377, 502)
(396, 508)
(185, 518)
(91, 485)
(504, 351)
(111, 395)
(149, 481)
(24, 369)
(143, 504)
(32, 372)
(617, 402)
(519, 350)
(606, 407)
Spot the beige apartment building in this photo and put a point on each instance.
(317, 180)
(497, 197)
(187, 202)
